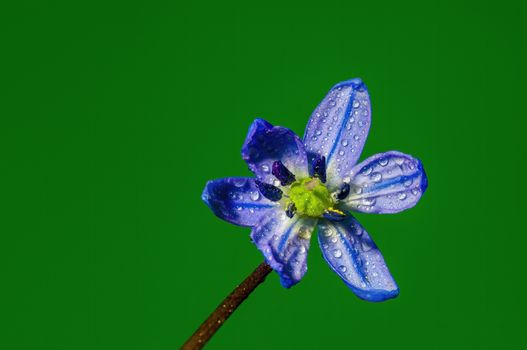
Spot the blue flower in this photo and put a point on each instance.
(316, 182)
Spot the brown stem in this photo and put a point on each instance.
(226, 308)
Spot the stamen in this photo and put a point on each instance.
(269, 191)
(291, 210)
(344, 191)
(283, 174)
(333, 214)
(319, 168)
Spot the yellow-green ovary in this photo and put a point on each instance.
(310, 196)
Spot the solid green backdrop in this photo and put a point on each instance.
(114, 116)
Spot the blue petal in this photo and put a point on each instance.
(284, 242)
(237, 200)
(350, 252)
(385, 183)
(338, 129)
(266, 144)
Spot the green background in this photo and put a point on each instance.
(114, 115)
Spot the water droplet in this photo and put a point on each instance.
(239, 182)
(415, 191)
(265, 168)
(334, 239)
(358, 190)
(337, 253)
(318, 132)
(366, 171)
(344, 143)
(376, 177)
(383, 161)
(407, 183)
(343, 268)
(239, 208)
(366, 247)
(356, 104)
(356, 137)
(341, 153)
(370, 202)
(402, 196)
(302, 249)
(255, 195)
(276, 183)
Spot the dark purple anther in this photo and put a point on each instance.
(334, 214)
(291, 210)
(283, 174)
(343, 191)
(319, 168)
(269, 191)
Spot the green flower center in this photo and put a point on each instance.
(310, 196)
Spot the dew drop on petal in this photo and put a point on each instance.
(343, 268)
(383, 161)
(402, 196)
(344, 143)
(239, 182)
(337, 253)
(366, 171)
(376, 177)
(255, 195)
(366, 247)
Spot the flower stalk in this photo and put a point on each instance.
(226, 308)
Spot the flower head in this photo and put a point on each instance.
(316, 182)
